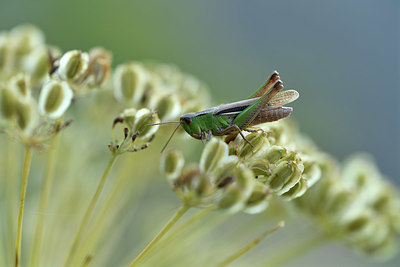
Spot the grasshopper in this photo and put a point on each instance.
(265, 105)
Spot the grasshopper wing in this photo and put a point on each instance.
(270, 114)
(283, 97)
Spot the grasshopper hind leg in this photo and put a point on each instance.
(237, 131)
(256, 130)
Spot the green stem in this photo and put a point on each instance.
(251, 245)
(24, 183)
(294, 252)
(12, 153)
(183, 227)
(44, 199)
(89, 211)
(163, 231)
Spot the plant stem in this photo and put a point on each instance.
(24, 183)
(12, 154)
(183, 227)
(44, 199)
(294, 252)
(163, 231)
(251, 245)
(89, 211)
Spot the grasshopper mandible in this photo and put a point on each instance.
(265, 105)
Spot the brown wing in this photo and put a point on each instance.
(271, 114)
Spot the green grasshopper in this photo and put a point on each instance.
(265, 105)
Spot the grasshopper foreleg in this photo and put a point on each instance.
(209, 136)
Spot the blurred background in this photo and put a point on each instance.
(342, 56)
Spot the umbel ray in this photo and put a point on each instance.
(265, 105)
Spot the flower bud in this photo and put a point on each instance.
(258, 200)
(214, 153)
(129, 117)
(73, 65)
(312, 171)
(55, 98)
(193, 187)
(143, 117)
(172, 163)
(4, 51)
(236, 194)
(260, 144)
(27, 37)
(37, 64)
(336, 201)
(8, 103)
(167, 106)
(231, 200)
(297, 190)
(275, 153)
(284, 177)
(26, 115)
(20, 84)
(260, 167)
(129, 82)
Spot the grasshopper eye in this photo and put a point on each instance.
(187, 120)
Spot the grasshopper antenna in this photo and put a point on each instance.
(163, 123)
(169, 139)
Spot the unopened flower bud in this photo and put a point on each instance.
(260, 144)
(297, 190)
(284, 177)
(55, 98)
(8, 102)
(129, 82)
(193, 187)
(27, 37)
(172, 163)
(73, 65)
(4, 51)
(232, 200)
(26, 115)
(20, 84)
(214, 153)
(37, 64)
(260, 167)
(312, 171)
(167, 106)
(275, 153)
(236, 194)
(337, 202)
(144, 117)
(258, 200)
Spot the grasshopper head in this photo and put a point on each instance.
(191, 125)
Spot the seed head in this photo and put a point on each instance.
(129, 82)
(55, 98)
(73, 65)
